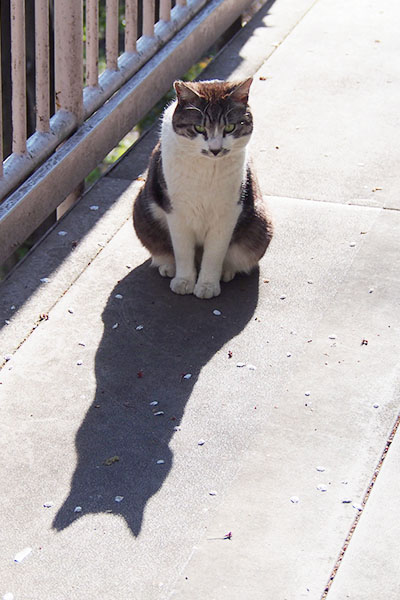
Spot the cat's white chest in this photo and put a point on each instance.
(204, 192)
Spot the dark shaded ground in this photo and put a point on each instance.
(179, 336)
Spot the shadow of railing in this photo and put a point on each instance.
(135, 367)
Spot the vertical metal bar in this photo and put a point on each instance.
(165, 10)
(149, 7)
(1, 114)
(18, 75)
(69, 56)
(92, 42)
(42, 65)
(130, 25)
(112, 19)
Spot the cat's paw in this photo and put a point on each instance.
(207, 290)
(167, 270)
(228, 275)
(181, 285)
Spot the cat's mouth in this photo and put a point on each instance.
(215, 153)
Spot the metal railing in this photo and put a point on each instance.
(87, 121)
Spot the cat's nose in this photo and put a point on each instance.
(215, 152)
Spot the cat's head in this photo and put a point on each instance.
(213, 114)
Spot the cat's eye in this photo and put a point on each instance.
(229, 128)
(199, 128)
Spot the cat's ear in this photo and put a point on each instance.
(240, 92)
(184, 93)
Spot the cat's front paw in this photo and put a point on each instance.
(207, 290)
(182, 285)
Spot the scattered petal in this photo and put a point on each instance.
(282, 297)
(48, 504)
(295, 499)
(371, 290)
(187, 376)
(154, 403)
(320, 469)
(79, 362)
(307, 393)
(288, 354)
(118, 296)
(45, 280)
(347, 501)
(115, 326)
(62, 233)
(78, 509)
(201, 442)
(158, 413)
(322, 487)
(81, 344)
(118, 498)
(352, 244)
(12, 307)
(217, 312)
(94, 207)
(71, 311)
(251, 367)
(19, 557)
(241, 364)
(7, 357)
(310, 282)
(139, 328)
(212, 493)
(332, 336)
(160, 461)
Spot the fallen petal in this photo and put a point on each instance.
(21, 555)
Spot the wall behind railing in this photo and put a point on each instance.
(65, 115)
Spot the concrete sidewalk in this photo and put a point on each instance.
(296, 452)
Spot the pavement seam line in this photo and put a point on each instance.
(364, 501)
(356, 204)
(285, 36)
(62, 294)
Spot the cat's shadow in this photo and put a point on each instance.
(136, 366)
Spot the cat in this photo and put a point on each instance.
(201, 205)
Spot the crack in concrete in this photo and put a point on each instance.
(367, 494)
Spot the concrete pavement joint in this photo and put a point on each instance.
(38, 321)
(363, 504)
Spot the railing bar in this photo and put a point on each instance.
(112, 18)
(42, 66)
(92, 42)
(68, 45)
(130, 25)
(1, 115)
(18, 74)
(148, 17)
(165, 10)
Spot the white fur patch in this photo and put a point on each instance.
(204, 192)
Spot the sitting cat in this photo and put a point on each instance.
(201, 205)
